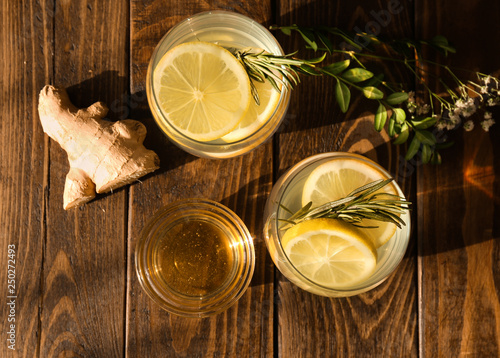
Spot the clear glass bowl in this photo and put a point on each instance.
(227, 29)
(169, 266)
(288, 191)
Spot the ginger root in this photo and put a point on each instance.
(102, 155)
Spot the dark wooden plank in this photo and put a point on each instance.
(382, 322)
(82, 310)
(25, 44)
(459, 202)
(242, 184)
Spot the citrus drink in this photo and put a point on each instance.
(200, 95)
(331, 257)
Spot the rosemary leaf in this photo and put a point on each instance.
(278, 70)
(361, 204)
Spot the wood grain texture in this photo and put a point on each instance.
(242, 184)
(382, 322)
(84, 267)
(459, 203)
(25, 44)
(76, 286)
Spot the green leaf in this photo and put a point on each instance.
(396, 98)
(424, 123)
(403, 135)
(380, 117)
(357, 75)
(308, 70)
(325, 41)
(336, 68)
(375, 81)
(343, 95)
(285, 30)
(442, 43)
(426, 153)
(392, 125)
(425, 137)
(317, 59)
(337, 32)
(399, 115)
(444, 145)
(373, 93)
(308, 37)
(436, 158)
(413, 148)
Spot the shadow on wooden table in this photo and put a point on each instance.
(464, 192)
(248, 203)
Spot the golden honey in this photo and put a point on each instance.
(194, 258)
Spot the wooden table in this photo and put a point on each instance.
(77, 294)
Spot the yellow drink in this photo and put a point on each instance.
(288, 192)
(231, 31)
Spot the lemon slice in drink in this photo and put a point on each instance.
(257, 114)
(202, 89)
(330, 252)
(336, 179)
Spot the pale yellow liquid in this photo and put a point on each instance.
(232, 39)
(292, 199)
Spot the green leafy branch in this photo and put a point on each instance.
(406, 120)
(390, 110)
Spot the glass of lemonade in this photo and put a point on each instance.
(316, 261)
(195, 258)
(231, 31)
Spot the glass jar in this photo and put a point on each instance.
(195, 258)
(230, 30)
(287, 192)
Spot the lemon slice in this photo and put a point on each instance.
(257, 114)
(202, 89)
(330, 252)
(337, 178)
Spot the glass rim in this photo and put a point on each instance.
(288, 177)
(257, 137)
(216, 301)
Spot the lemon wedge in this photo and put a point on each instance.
(202, 90)
(330, 252)
(336, 179)
(257, 114)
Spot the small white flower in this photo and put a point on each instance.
(488, 115)
(453, 121)
(465, 108)
(493, 101)
(469, 125)
(487, 123)
(487, 80)
(460, 103)
(455, 118)
(424, 109)
(441, 125)
(411, 97)
(485, 89)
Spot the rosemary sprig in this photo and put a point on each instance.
(278, 70)
(362, 203)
